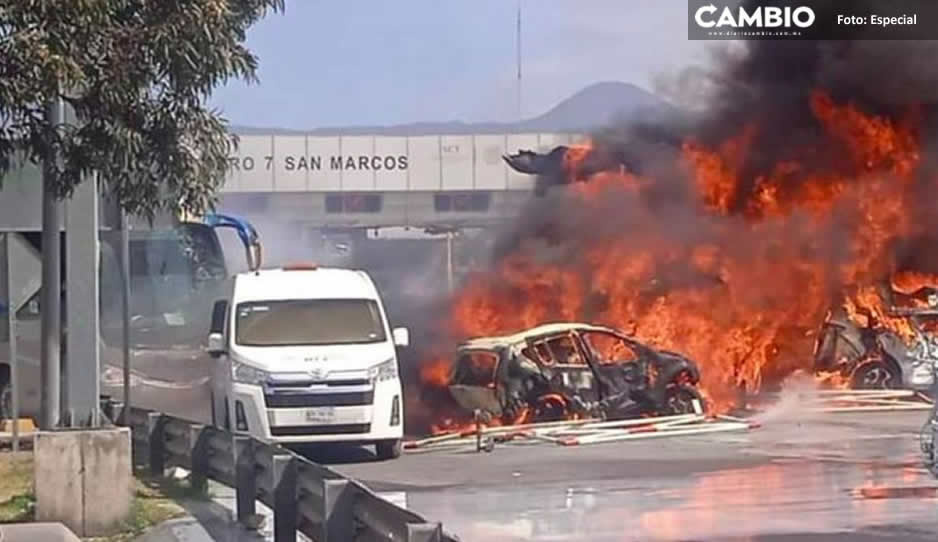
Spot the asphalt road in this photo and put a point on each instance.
(800, 477)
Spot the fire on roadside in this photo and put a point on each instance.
(742, 274)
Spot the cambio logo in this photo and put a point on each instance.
(761, 17)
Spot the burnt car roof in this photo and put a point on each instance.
(489, 343)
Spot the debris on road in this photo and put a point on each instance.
(867, 400)
(581, 432)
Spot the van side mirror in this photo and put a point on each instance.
(216, 344)
(401, 337)
(219, 315)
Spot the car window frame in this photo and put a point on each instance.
(637, 350)
(544, 340)
(468, 352)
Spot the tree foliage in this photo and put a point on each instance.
(137, 74)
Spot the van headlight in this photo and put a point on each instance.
(245, 374)
(386, 370)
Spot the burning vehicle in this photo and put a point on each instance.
(565, 165)
(571, 370)
(781, 190)
(897, 348)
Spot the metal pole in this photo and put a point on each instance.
(518, 38)
(125, 308)
(50, 301)
(11, 327)
(81, 378)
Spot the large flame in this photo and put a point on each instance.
(737, 280)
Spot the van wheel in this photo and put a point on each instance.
(388, 449)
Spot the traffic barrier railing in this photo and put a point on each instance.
(304, 496)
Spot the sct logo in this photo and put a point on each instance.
(761, 17)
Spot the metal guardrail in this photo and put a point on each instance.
(304, 496)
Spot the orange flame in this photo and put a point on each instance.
(743, 295)
(868, 298)
(574, 157)
(910, 282)
(435, 373)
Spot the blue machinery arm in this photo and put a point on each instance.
(246, 232)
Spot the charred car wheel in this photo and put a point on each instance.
(875, 375)
(679, 399)
(551, 408)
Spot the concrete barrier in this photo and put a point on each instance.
(84, 479)
(36, 532)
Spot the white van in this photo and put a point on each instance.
(304, 354)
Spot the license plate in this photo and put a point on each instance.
(320, 415)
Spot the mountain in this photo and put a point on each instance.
(588, 109)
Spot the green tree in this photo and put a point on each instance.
(137, 74)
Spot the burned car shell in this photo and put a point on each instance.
(522, 373)
(872, 357)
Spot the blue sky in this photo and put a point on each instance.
(362, 62)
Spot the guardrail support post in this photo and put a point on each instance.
(338, 515)
(117, 414)
(285, 498)
(245, 482)
(424, 532)
(198, 458)
(156, 443)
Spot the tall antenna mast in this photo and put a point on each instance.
(518, 41)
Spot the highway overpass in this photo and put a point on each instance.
(323, 182)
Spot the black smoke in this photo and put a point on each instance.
(768, 85)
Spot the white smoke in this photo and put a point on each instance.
(798, 393)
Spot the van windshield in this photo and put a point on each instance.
(307, 322)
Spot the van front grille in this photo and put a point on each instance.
(302, 400)
(330, 383)
(303, 430)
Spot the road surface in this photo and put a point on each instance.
(801, 476)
